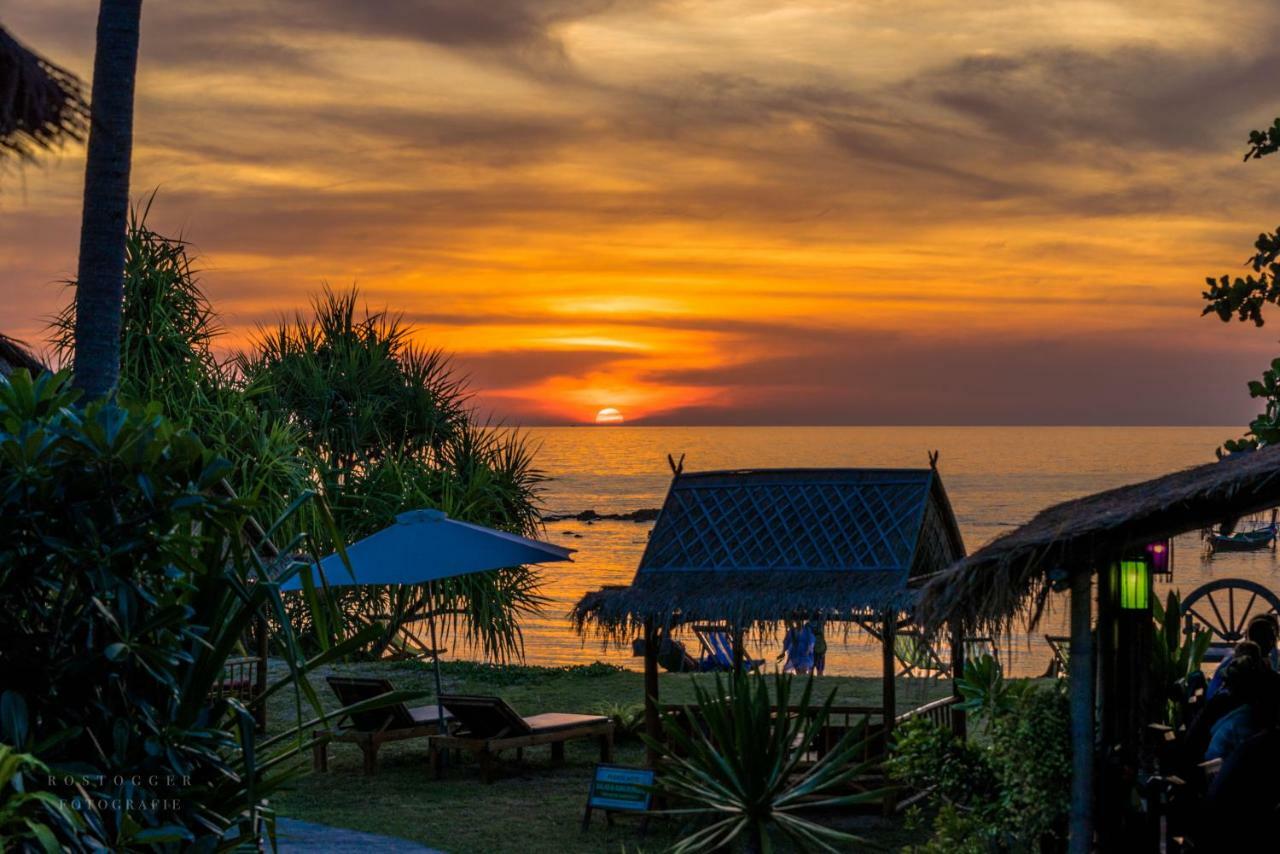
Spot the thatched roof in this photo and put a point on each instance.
(13, 356)
(766, 545)
(41, 105)
(1009, 577)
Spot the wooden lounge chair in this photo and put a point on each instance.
(489, 726)
(370, 730)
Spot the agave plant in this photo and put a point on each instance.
(744, 773)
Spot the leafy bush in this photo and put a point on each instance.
(389, 428)
(127, 578)
(628, 719)
(1177, 657)
(740, 772)
(1010, 792)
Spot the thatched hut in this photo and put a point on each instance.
(758, 547)
(41, 104)
(1064, 547)
(14, 355)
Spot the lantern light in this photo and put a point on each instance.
(1131, 580)
(1160, 557)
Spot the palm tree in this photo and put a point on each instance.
(100, 278)
(41, 105)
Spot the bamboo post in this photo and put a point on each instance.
(890, 668)
(1080, 670)
(959, 723)
(652, 721)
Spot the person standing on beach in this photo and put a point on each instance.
(818, 628)
(797, 648)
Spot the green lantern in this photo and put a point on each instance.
(1131, 581)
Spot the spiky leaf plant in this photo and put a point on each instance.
(746, 774)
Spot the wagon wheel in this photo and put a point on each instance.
(1225, 606)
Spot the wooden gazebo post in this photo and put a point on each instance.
(959, 722)
(1080, 672)
(652, 719)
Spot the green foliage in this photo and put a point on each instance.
(1010, 792)
(390, 430)
(344, 403)
(986, 692)
(127, 579)
(517, 674)
(1244, 297)
(628, 719)
(31, 820)
(1176, 656)
(740, 772)
(166, 356)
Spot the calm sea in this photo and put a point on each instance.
(997, 478)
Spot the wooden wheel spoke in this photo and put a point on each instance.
(1222, 625)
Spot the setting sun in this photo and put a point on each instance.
(609, 415)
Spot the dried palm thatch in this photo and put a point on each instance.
(1009, 578)
(13, 355)
(42, 105)
(759, 547)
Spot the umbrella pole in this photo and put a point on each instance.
(435, 653)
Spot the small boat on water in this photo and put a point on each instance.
(1256, 538)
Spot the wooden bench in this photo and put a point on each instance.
(370, 730)
(489, 726)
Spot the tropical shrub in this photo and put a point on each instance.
(1177, 657)
(342, 402)
(127, 578)
(1007, 792)
(167, 333)
(628, 719)
(739, 774)
(389, 429)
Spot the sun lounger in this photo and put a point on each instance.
(1061, 648)
(371, 729)
(489, 726)
(717, 650)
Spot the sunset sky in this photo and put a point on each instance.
(711, 211)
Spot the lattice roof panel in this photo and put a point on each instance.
(803, 520)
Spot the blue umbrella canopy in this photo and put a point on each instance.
(426, 545)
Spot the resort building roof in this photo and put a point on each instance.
(768, 544)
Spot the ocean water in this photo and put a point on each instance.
(996, 477)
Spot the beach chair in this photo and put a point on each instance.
(489, 726)
(917, 656)
(717, 650)
(1061, 647)
(370, 730)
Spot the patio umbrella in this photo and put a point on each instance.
(425, 545)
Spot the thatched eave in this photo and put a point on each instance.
(1009, 577)
(743, 598)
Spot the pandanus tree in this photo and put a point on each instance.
(100, 276)
(389, 428)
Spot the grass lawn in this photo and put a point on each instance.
(533, 808)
